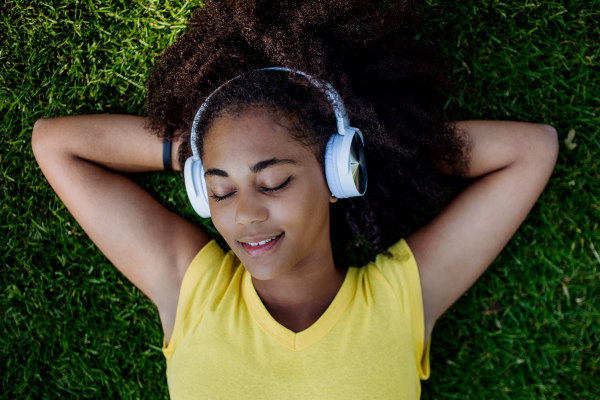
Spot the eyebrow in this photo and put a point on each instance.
(256, 168)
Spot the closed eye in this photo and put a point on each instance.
(219, 198)
(271, 190)
(264, 189)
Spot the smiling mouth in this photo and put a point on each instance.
(256, 249)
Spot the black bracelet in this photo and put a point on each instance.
(167, 149)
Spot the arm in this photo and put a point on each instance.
(83, 158)
(510, 163)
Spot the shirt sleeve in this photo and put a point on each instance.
(401, 271)
(196, 286)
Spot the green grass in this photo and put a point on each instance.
(72, 326)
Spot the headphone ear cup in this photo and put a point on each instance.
(331, 165)
(345, 166)
(195, 185)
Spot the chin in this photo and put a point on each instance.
(263, 272)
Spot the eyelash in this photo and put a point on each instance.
(268, 190)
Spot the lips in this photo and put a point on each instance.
(263, 246)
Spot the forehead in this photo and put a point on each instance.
(250, 137)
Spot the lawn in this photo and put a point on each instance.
(73, 327)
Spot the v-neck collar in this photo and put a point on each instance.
(312, 334)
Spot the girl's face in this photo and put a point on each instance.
(264, 185)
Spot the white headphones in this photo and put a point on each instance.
(345, 167)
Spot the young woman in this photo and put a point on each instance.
(277, 317)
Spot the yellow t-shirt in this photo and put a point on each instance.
(367, 344)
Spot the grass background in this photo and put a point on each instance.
(72, 326)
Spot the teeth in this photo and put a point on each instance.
(262, 242)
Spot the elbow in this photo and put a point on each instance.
(540, 149)
(39, 137)
(44, 141)
(549, 143)
(36, 136)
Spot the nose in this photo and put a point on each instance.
(250, 209)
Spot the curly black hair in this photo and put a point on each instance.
(391, 85)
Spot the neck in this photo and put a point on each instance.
(303, 293)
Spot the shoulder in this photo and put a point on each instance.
(400, 271)
(210, 268)
(397, 263)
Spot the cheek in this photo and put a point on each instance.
(224, 222)
(301, 212)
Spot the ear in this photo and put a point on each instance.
(333, 199)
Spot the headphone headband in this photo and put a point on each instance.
(341, 116)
